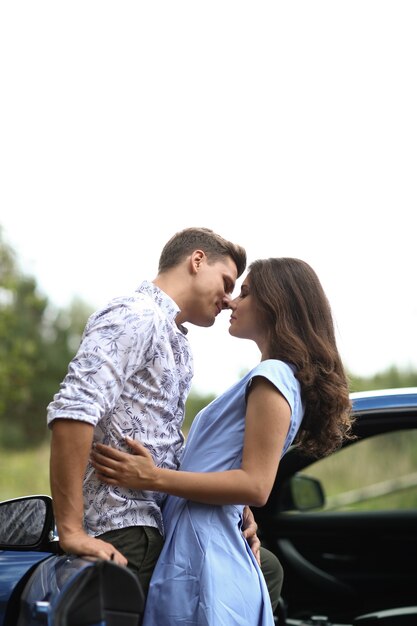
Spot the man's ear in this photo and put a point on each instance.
(196, 258)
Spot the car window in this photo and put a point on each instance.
(378, 473)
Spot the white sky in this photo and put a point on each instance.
(289, 127)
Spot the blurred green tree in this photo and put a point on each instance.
(36, 344)
(195, 402)
(391, 378)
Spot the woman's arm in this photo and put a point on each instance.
(266, 426)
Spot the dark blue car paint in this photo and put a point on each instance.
(14, 566)
(51, 578)
(387, 399)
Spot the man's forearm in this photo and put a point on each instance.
(70, 450)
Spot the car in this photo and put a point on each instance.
(39, 585)
(343, 527)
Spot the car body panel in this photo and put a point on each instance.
(14, 568)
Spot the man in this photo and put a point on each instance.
(131, 376)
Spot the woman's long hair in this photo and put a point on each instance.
(290, 297)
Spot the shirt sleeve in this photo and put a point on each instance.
(112, 348)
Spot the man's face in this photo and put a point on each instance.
(214, 285)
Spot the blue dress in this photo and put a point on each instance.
(206, 574)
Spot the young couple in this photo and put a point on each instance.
(117, 448)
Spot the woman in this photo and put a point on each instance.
(206, 574)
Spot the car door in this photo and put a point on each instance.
(357, 552)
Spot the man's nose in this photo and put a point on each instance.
(226, 302)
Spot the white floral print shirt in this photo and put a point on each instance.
(131, 376)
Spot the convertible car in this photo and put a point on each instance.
(343, 527)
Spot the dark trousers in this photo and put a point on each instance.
(141, 545)
(273, 574)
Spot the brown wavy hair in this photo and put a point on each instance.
(291, 298)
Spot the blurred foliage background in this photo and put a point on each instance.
(37, 341)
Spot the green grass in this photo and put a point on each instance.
(378, 460)
(24, 473)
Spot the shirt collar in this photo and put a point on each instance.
(163, 300)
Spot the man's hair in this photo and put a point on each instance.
(213, 245)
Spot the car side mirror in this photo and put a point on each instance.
(305, 493)
(26, 522)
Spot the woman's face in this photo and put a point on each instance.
(246, 321)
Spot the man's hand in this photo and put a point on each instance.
(249, 529)
(84, 545)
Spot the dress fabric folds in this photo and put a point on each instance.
(206, 574)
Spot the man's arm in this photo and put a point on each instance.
(70, 449)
